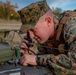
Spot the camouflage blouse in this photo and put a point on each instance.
(63, 63)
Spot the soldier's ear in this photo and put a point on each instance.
(48, 20)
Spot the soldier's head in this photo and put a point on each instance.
(39, 17)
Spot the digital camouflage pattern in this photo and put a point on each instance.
(31, 14)
(62, 64)
(65, 16)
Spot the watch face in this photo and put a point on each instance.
(16, 73)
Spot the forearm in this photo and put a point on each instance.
(61, 64)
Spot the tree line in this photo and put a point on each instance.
(7, 11)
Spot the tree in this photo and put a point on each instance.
(57, 11)
(7, 9)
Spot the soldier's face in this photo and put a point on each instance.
(42, 31)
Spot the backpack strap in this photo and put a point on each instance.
(66, 16)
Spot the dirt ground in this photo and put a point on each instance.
(13, 37)
(6, 24)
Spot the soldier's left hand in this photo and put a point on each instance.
(28, 59)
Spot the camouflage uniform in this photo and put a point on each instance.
(63, 63)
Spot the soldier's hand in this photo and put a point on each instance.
(24, 47)
(25, 42)
(28, 59)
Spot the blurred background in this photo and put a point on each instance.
(9, 8)
(10, 19)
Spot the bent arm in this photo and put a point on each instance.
(63, 64)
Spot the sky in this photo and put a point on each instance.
(63, 4)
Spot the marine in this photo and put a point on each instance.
(60, 59)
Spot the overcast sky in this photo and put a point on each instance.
(63, 4)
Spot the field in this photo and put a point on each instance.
(13, 38)
(4, 24)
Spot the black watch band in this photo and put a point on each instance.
(38, 60)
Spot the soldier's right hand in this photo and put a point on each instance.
(24, 47)
(25, 43)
